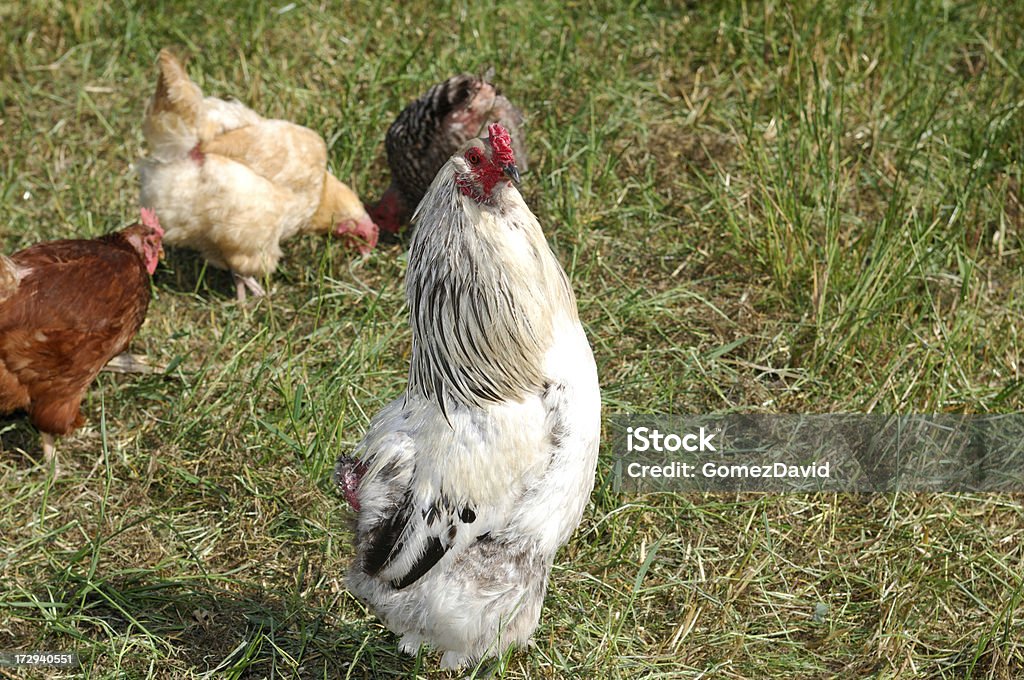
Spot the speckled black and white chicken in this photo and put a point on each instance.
(429, 130)
(467, 485)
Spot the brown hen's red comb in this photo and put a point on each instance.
(150, 220)
(501, 142)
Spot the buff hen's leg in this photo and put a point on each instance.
(243, 282)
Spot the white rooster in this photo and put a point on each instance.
(468, 484)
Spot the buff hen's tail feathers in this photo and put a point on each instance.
(174, 113)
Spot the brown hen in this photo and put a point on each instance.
(66, 308)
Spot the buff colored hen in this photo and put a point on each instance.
(233, 185)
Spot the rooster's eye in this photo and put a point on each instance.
(473, 156)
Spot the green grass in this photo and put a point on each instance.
(763, 207)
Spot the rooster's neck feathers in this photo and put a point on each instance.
(485, 293)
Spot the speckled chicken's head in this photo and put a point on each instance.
(486, 166)
(147, 239)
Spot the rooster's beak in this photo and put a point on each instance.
(512, 171)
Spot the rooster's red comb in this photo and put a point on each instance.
(149, 219)
(501, 142)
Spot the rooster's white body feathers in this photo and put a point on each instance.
(481, 471)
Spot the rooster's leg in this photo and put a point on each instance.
(243, 282)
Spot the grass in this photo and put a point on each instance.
(784, 207)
